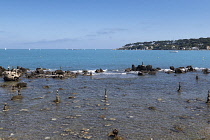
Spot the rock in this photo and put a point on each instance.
(205, 71)
(190, 68)
(39, 71)
(141, 68)
(172, 68)
(152, 72)
(128, 70)
(179, 70)
(151, 108)
(99, 71)
(60, 72)
(140, 74)
(158, 68)
(21, 84)
(133, 68)
(45, 87)
(149, 67)
(72, 97)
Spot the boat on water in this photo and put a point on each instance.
(11, 75)
(174, 51)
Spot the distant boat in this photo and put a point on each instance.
(174, 51)
(5, 48)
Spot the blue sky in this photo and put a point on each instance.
(99, 24)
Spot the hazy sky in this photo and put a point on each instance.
(99, 24)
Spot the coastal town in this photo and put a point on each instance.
(181, 44)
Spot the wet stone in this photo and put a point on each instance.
(152, 108)
(72, 97)
(108, 125)
(112, 119)
(45, 87)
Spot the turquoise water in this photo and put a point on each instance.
(105, 59)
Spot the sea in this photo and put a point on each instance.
(145, 107)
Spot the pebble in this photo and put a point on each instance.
(107, 125)
(67, 130)
(64, 134)
(112, 119)
(85, 129)
(26, 110)
(77, 107)
(71, 117)
(47, 138)
(87, 137)
(53, 119)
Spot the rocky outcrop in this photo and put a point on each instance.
(142, 69)
(99, 71)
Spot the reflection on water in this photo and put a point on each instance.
(139, 107)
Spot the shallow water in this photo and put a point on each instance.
(36, 116)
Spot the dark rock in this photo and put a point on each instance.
(149, 67)
(172, 68)
(39, 71)
(190, 68)
(179, 70)
(140, 74)
(21, 84)
(152, 72)
(158, 68)
(48, 73)
(128, 70)
(99, 71)
(85, 72)
(205, 71)
(60, 72)
(151, 108)
(133, 68)
(141, 68)
(22, 70)
(208, 98)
